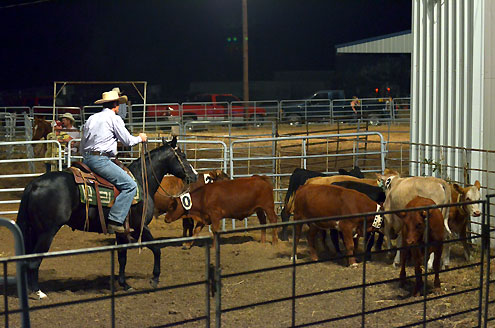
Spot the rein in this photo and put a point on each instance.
(144, 179)
(167, 194)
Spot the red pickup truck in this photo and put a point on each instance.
(209, 107)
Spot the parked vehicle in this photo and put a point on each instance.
(331, 105)
(209, 107)
(316, 107)
(373, 110)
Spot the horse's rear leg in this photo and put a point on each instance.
(41, 245)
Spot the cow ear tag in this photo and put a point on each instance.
(378, 221)
(186, 201)
(388, 182)
(207, 178)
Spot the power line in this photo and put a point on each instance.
(24, 4)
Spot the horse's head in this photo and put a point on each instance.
(41, 128)
(179, 166)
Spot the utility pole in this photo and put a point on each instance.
(245, 58)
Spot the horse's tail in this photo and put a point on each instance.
(23, 220)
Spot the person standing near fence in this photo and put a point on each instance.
(101, 132)
(68, 126)
(52, 148)
(355, 103)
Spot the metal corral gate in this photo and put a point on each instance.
(299, 312)
(203, 154)
(25, 165)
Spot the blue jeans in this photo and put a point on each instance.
(107, 169)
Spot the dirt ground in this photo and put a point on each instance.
(67, 279)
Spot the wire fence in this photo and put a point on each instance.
(477, 302)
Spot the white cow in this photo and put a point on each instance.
(400, 191)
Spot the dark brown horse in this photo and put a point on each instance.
(41, 128)
(52, 200)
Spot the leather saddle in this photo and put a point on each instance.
(83, 175)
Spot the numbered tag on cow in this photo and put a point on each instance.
(378, 221)
(186, 201)
(388, 182)
(208, 178)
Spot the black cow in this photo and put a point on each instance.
(355, 172)
(374, 193)
(299, 178)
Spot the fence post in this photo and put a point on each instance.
(21, 276)
(208, 279)
(425, 263)
(294, 259)
(485, 243)
(218, 283)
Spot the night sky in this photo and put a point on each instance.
(179, 41)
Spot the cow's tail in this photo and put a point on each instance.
(23, 220)
(288, 208)
(446, 210)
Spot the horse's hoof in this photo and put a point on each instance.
(353, 265)
(38, 295)
(154, 283)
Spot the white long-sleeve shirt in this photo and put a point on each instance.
(102, 131)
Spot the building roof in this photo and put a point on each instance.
(400, 42)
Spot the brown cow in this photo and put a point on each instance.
(413, 233)
(172, 186)
(236, 199)
(289, 207)
(318, 201)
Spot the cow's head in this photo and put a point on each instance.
(414, 226)
(174, 211)
(217, 175)
(385, 180)
(468, 194)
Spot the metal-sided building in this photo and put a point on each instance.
(452, 87)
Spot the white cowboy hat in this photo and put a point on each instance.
(68, 116)
(110, 96)
(121, 101)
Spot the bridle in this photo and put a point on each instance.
(144, 178)
(181, 162)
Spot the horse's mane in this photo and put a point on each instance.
(135, 165)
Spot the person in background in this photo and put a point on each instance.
(101, 132)
(68, 126)
(52, 148)
(355, 103)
